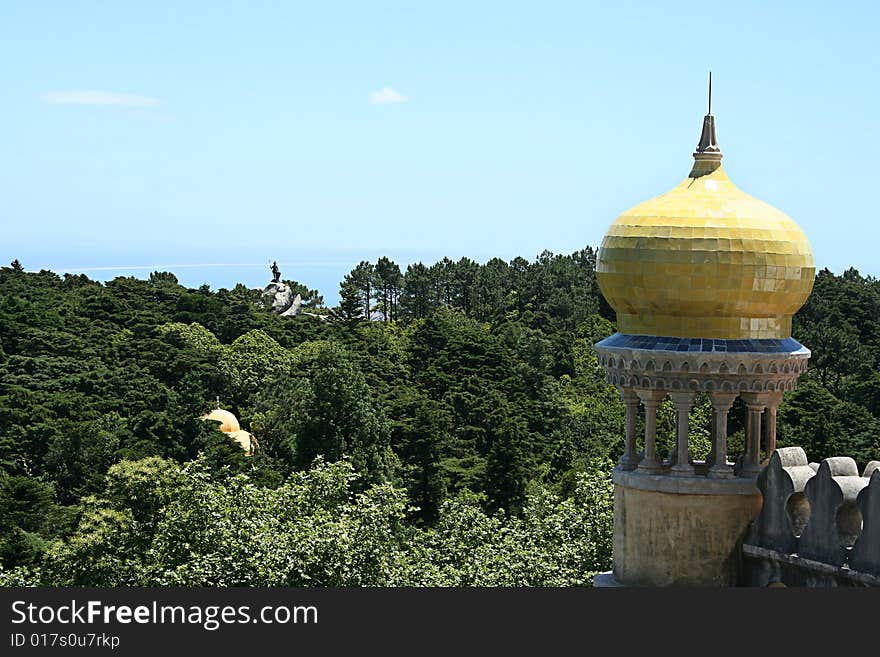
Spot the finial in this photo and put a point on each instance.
(218, 402)
(708, 148)
(710, 93)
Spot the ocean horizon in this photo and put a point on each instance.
(323, 276)
(323, 272)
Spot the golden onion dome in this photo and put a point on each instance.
(705, 260)
(228, 422)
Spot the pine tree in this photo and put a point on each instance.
(362, 276)
(388, 281)
(415, 296)
(507, 468)
(351, 307)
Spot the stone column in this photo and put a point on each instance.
(721, 403)
(683, 402)
(755, 403)
(713, 439)
(629, 460)
(651, 400)
(770, 424)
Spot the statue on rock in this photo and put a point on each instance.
(281, 299)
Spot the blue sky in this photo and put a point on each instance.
(319, 134)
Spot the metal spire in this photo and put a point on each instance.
(710, 92)
(708, 146)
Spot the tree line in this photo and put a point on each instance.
(450, 406)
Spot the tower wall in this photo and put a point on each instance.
(680, 532)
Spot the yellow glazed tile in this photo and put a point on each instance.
(705, 260)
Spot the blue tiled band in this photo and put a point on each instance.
(661, 343)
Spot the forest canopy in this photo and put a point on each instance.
(445, 424)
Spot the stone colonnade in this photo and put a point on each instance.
(761, 408)
(701, 509)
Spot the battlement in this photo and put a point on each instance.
(819, 524)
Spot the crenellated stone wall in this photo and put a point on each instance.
(819, 524)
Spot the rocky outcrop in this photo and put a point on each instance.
(283, 301)
(295, 307)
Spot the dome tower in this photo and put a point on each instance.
(704, 280)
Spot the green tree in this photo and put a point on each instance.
(507, 467)
(363, 277)
(328, 412)
(252, 360)
(813, 418)
(26, 508)
(416, 301)
(388, 281)
(419, 434)
(351, 308)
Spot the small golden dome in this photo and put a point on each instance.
(705, 260)
(246, 440)
(228, 422)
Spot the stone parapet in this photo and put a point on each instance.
(828, 515)
(766, 567)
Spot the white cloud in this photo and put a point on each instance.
(91, 97)
(386, 96)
